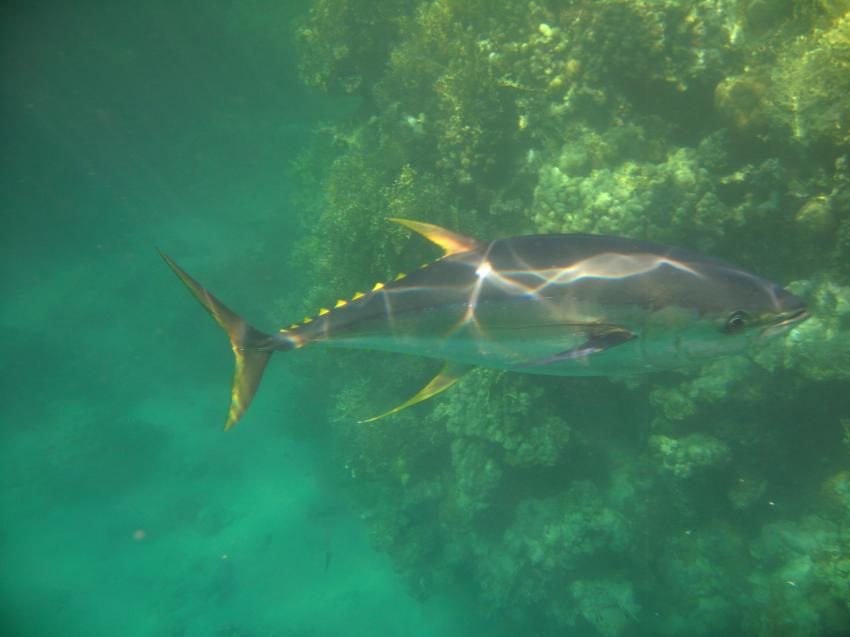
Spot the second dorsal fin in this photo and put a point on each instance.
(450, 242)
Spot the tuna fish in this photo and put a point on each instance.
(556, 304)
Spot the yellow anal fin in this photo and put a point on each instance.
(450, 242)
(448, 376)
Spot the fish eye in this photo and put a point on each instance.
(736, 322)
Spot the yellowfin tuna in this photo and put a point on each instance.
(557, 304)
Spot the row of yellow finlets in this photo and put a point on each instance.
(341, 303)
(450, 242)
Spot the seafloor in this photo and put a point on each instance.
(263, 144)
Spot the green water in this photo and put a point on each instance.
(261, 144)
(125, 510)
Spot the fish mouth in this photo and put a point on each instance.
(784, 323)
(797, 316)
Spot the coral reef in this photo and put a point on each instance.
(796, 94)
(607, 605)
(710, 501)
(692, 453)
(495, 409)
(800, 585)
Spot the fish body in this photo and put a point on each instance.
(557, 304)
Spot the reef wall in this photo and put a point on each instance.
(714, 501)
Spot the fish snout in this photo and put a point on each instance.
(792, 311)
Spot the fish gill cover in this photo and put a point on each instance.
(706, 502)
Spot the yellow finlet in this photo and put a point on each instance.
(358, 295)
(323, 311)
(294, 326)
(399, 276)
(306, 320)
(448, 376)
(450, 242)
(340, 303)
(377, 286)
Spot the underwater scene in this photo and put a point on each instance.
(566, 285)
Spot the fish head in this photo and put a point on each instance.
(723, 311)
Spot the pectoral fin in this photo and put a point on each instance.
(448, 376)
(599, 340)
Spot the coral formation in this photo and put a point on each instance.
(607, 605)
(798, 93)
(711, 501)
(692, 453)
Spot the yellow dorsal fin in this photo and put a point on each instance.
(448, 376)
(450, 242)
